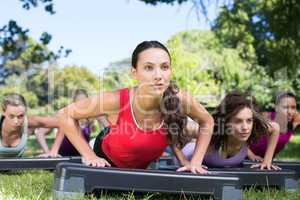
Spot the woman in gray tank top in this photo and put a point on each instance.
(14, 124)
(237, 124)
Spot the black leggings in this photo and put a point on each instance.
(98, 145)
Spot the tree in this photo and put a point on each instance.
(270, 29)
(56, 86)
(202, 66)
(48, 5)
(18, 52)
(117, 75)
(266, 35)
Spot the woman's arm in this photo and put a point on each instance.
(206, 123)
(43, 122)
(180, 156)
(56, 145)
(191, 131)
(40, 136)
(273, 138)
(91, 107)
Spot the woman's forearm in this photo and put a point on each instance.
(57, 142)
(273, 139)
(180, 156)
(202, 143)
(40, 136)
(71, 129)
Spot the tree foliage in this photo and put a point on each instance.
(48, 5)
(18, 52)
(202, 66)
(56, 86)
(267, 32)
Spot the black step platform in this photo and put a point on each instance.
(291, 165)
(74, 180)
(28, 163)
(283, 179)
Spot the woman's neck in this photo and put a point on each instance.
(9, 135)
(146, 102)
(146, 110)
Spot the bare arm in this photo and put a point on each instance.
(92, 107)
(192, 131)
(40, 136)
(45, 122)
(273, 138)
(206, 123)
(180, 156)
(56, 145)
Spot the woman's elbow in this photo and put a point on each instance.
(275, 128)
(63, 116)
(209, 124)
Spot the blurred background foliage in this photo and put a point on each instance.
(252, 46)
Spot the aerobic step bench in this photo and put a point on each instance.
(283, 179)
(290, 165)
(28, 163)
(74, 180)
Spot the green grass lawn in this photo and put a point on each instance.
(38, 184)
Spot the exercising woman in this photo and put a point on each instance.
(238, 123)
(287, 117)
(61, 145)
(14, 125)
(144, 119)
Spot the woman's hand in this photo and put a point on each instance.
(194, 168)
(265, 165)
(95, 162)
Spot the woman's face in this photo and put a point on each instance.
(153, 71)
(240, 126)
(14, 116)
(287, 106)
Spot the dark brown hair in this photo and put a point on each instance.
(229, 107)
(171, 108)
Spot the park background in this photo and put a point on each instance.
(50, 48)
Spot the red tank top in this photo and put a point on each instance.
(128, 146)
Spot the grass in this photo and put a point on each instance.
(38, 184)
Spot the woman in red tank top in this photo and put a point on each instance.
(144, 119)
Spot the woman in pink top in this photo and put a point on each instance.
(287, 117)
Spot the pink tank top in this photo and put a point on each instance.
(259, 147)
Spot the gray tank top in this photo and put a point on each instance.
(214, 159)
(17, 151)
